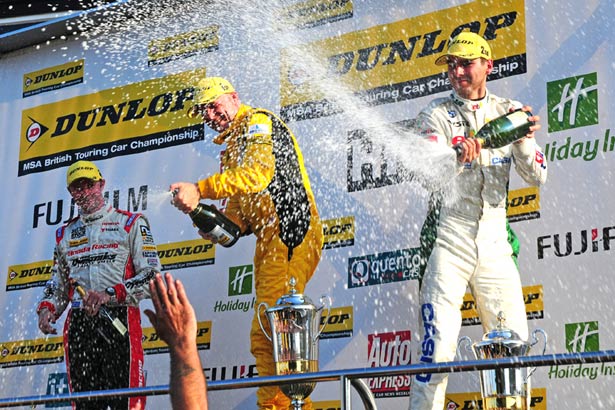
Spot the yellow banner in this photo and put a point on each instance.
(31, 352)
(316, 12)
(53, 78)
(532, 295)
(152, 344)
(120, 121)
(523, 204)
(178, 255)
(338, 232)
(183, 45)
(327, 405)
(338, 322)
(396, 61)
(473, 400)
(28, 275)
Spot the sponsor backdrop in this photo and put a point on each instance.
(117, 94)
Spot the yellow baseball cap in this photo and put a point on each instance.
(207, 90)
(82, 169)
(466, 45)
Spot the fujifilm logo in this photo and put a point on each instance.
(573, 102)
(594, 240)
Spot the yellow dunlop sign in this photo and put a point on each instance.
(534, 301)
(534, 305)
(316, 12)
(338, 322)
(523, 204)
(152, 344)
(31, 352)
(120, 121)
(53, 78)
(182, 46)
(178, 255)
(327, 405)
(473, 400)
(28, 275)
(396, 61)
(338, 232)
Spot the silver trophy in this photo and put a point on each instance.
(295, 327)
(505, 388)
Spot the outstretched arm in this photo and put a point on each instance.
(175, 323)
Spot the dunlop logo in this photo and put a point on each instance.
(473, 400)
(317, 12)
(523, 204)
(178, 255)
(152, 344)
(338, 322)
(338, 232)
(395, 62)
(31, 352)
(120, 121)
(182, 46)
(28, 275)
(53, 78)
(327, 405)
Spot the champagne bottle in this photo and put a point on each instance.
(104, 312)
(503, 130)
(213, 222)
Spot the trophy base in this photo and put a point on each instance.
(505, 403)
(297, 392)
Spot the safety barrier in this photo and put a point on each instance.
(344, 376)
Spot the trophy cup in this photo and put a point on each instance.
(504, 388)
(294, 323)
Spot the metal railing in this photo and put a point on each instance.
(345, 376)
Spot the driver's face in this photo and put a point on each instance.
(219, 114)
(88, 194)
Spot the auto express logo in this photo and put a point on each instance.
(390, 349)
(385, 267)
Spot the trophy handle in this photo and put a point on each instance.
(464, 342)
(535, 341)
(258, 316)
(323, 300)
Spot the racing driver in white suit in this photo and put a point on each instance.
(468, 242)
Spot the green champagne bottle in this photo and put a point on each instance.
(213, 222)
(104, 313)
(505, 129)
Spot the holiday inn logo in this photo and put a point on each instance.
(582, 337)
(240, 298)
(240, 280)
(572, 102)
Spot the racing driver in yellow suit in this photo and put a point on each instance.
(269, 195)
